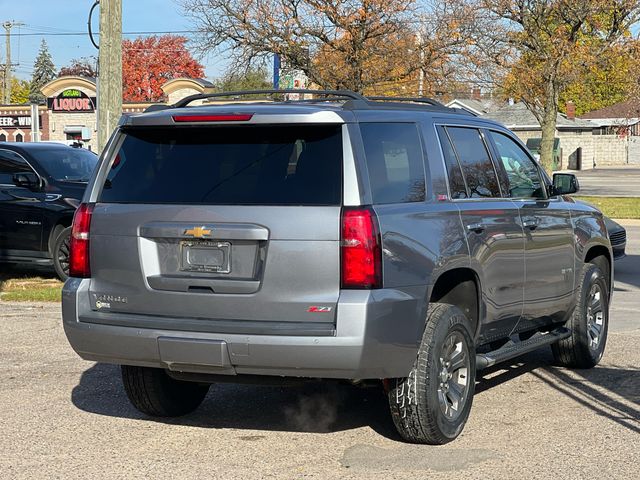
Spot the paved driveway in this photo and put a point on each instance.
(620, 182)
(62, 417)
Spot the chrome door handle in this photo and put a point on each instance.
(531, 224)
(476, 227)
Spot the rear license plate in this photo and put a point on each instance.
(205, 256)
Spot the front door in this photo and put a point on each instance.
(549, 242)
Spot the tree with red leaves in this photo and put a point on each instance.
(80, 67)
(149, 62)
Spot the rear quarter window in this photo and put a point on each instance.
(395, 162)
(246, 165)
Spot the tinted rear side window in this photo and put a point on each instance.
(248, 165)
(456, 182)
(477, 167)
(395, 162)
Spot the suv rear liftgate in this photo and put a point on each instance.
(198, 228)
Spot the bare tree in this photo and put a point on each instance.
(356, 44)
(537, 47)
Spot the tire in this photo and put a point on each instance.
(421, 407)
(156, 394)
(589, 323)
(61, 253)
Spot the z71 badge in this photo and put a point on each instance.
(316, 309)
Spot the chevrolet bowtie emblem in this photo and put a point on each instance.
(198, 232)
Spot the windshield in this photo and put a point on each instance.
(70, 164)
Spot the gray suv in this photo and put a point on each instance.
(373, 240)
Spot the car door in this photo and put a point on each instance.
(20, 209)
(549, 240)
(493, 230)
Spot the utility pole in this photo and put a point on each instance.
(109, 69)
(7, 66)
(421, 72)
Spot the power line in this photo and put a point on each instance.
(67, 34)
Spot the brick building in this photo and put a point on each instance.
(70, 111)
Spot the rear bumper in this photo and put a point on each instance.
(376, 336)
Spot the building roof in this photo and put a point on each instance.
(473, 106)
(623, 113)
(519, 117)
(628, 109)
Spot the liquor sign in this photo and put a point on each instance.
(15, 121)
(72, 100)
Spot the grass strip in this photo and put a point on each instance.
(615, 207)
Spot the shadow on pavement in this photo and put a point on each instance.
(626, 271)
(318, 407)
(323, 407)
(611, 392)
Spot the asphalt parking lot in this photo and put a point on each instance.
(619, 182)
(62, 417)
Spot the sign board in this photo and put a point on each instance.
(85, 134)
(72, 100)
(15, 121)
(293, 79)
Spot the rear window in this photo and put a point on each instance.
(248, 165)
(66, 163)
(395, 162)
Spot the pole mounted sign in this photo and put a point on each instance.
(72, 101)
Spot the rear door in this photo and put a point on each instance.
(226, 223)
(549, 240)
(492, 224)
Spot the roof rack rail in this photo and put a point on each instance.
(428, 101)
(353, 100)
(327, 93)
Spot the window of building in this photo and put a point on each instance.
(478, 170)
(3, 137)
(19, 137)
(395, 162)
(523, 174)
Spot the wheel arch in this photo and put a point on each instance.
(460, 287)
(600, 255)
(62, 223)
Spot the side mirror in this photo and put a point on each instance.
(565, 183)
(26, 180)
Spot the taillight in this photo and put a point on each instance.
(360, 249)
(79, 246)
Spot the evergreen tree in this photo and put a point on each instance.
(43, 72)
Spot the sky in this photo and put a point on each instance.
(46, 18)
